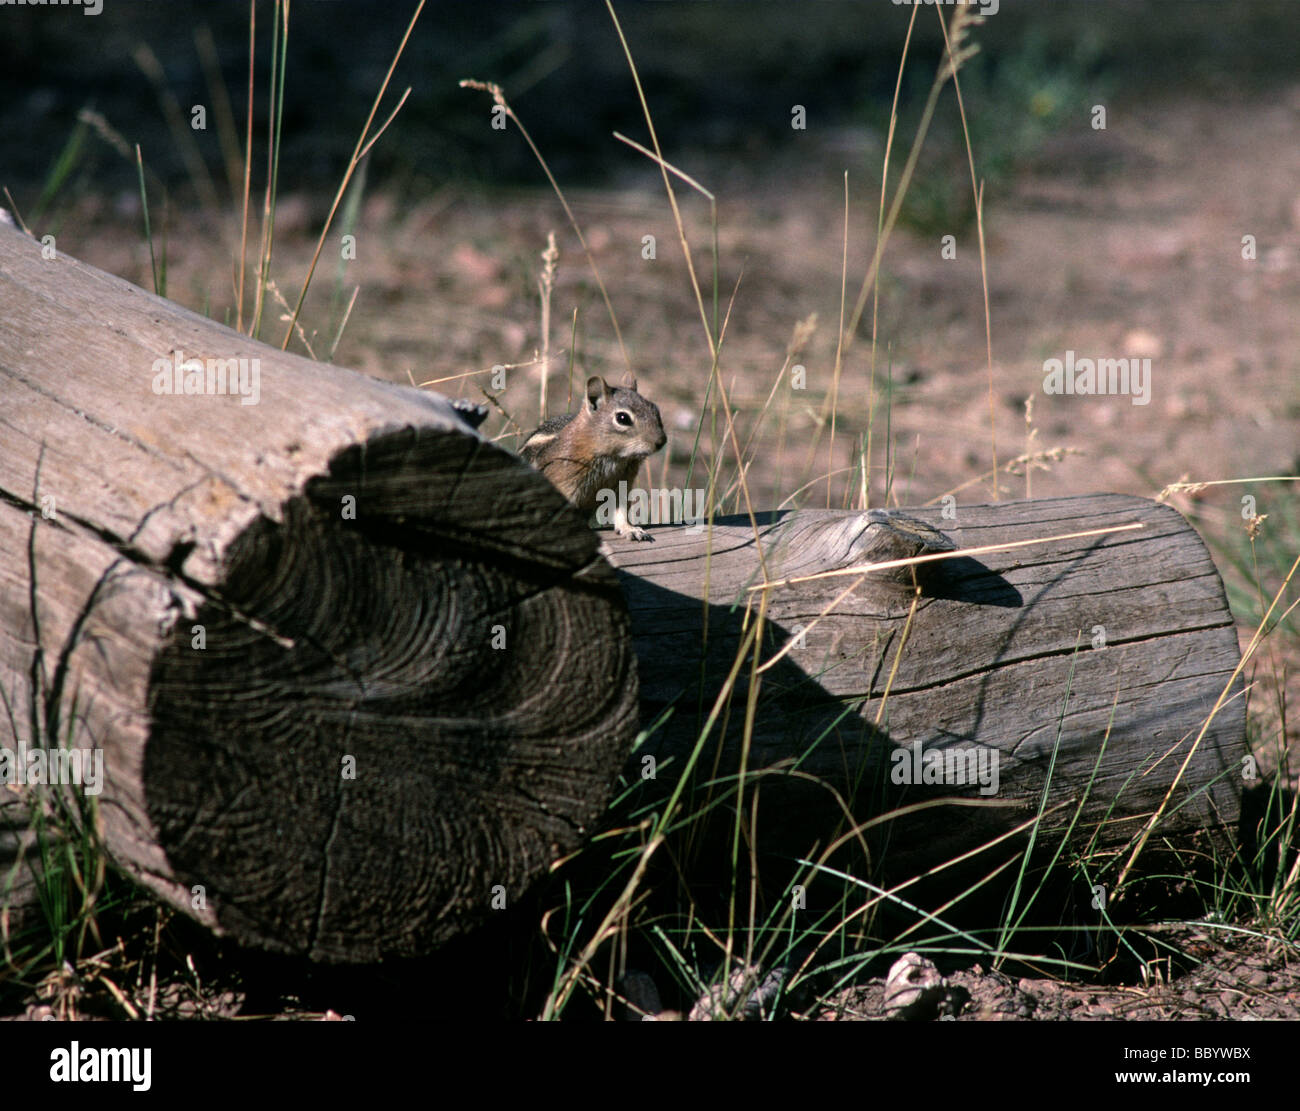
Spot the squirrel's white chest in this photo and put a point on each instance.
(603, 473)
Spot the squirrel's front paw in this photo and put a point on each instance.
(632, 532)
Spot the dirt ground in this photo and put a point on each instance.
(1120, 243)
(1246, 979)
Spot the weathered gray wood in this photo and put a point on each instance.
(328, 637)
(999, 656)
(373, 583)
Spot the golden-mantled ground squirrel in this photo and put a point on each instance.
(599, 446)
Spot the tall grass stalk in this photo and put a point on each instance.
(364, 144)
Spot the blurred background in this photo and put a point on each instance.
(1122, 241)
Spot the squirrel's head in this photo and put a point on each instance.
(629, 425)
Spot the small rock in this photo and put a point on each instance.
(760, 994)
(913, 989)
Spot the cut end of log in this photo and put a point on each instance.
(394, 703)
(356, 675)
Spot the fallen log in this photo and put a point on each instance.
(1086, 666)
(355, 677)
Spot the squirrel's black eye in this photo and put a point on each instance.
(624, 418)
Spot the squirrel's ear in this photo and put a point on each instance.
(629, 380)
(597, 390)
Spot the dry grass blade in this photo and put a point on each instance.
(962, 20)
(545, 286)
(498, 97)
(912, 561)
(1185, 487)
(1222, 701)
(248, 170)
(359, 151)
(714, 342)
(664, 164)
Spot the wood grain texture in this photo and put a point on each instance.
(998, 658)
(373, 581)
